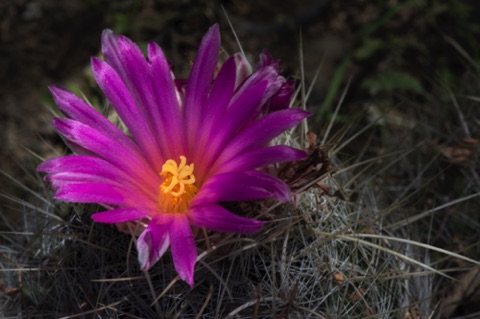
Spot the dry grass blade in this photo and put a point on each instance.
(326, 134)
(424, 214)
(94, 311)
(356, 239)
(415, 243)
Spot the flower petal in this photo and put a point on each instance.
(266, 73)
(151, 86)
(243, 68)
(76, 109)
(222, 128)
(119, 215)
(121, 99)
(217, 103)
(281, 99)
(75, 167)
(168, 121)
(221, 93)
(263, 131)
(108, 149)
(95, 193)
(152, 244)
(242, 111)
(238, 186)
(126, 58)
(260, 157)
(215, 217)
(200, 79)
(184, 252)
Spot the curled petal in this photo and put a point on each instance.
(266, 74)
(152, 244)
(281, 99)
(243, 68)
(266, 59)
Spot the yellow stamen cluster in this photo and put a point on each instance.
(178, 187)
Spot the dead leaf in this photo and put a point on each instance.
(299, 174)
(338, 278)
(456, 154)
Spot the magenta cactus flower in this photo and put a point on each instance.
(190, 147)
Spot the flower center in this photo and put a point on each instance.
(178, 187)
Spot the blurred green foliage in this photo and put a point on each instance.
(392, 81)
(409, 47)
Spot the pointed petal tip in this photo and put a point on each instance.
(259, 226)
(213, 34)
(296, 114)
(191, 283)
(95, 62)
(188, 278)
(56, 122)
(152, 48)
(154, 52)
(285, 197)
(100, 69)
(43, 167)
(62, 123)
(215, 28)
(302, 112)
(54, 89)
(61, 96)
(255, 227)
(107, 33)
(96, 65)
